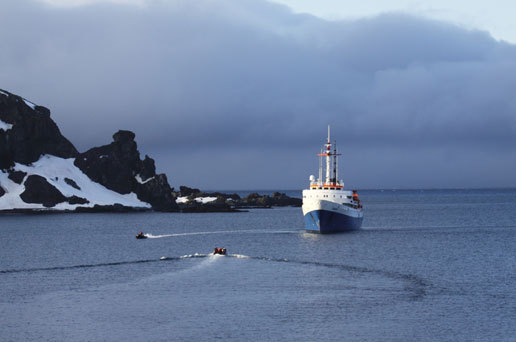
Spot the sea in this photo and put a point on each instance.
(427, 265)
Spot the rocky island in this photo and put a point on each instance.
(41, 171)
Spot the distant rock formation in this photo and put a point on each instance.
(194, 200)
(41, 170)
(117, 179)
(263, 201)
(118, 167)
(32, 132)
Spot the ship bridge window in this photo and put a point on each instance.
(325, 188)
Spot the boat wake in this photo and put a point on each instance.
(415, 285)
(150, 236)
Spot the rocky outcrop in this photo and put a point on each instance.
(2, 191)
(32, 132)
(17, 176)
(38, 190)
(27, 133)
(192, 201)
(218, 205)
(255, 200)
(282, 200)
(72, 183)
(193, 193)
(186, 191)
(77, 200)
(118, 167)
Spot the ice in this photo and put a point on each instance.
(205, 200)
(202, 200)
(139, 179)
(55, 170)
(5, 126)
(30, 104)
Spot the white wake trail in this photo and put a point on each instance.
(150, 236)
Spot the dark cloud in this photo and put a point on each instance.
(237, 94)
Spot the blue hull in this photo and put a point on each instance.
(327, 222)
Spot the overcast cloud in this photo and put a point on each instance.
(237, 94)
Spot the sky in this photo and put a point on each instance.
(237, 94)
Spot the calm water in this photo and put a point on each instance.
(428, 265)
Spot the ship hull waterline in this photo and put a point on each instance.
(329, 222)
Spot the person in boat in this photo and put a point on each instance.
(220, 251)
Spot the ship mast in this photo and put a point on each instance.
(334, 179)
(331, 172)
(328, 158)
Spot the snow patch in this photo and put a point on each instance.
(139, 179)
(55, 170)
(205, 200)
(5, 126)
(202, 200)
(30, 104)
(11, 199)
(183, 199)
(4, 93)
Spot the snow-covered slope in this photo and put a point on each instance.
(55, 170)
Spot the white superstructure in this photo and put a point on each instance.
(326, 196)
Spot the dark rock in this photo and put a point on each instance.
(17, 176)
(116, 166)
(124, 137)
(157, 192)
(148, 168)
(255, 199)
(219, 205)
(186, 191)
(2, 191)
(38, 190)
(72, 183)
(77, 200)
(33, 133)
(282, 200)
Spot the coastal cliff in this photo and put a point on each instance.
(41, 170)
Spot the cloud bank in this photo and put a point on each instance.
(237, 94)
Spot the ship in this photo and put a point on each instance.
(327, 207)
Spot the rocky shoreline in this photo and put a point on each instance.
(194, 200)
(42, 172)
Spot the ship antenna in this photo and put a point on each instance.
(335, 162)
(320, 180)
(327, 153)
